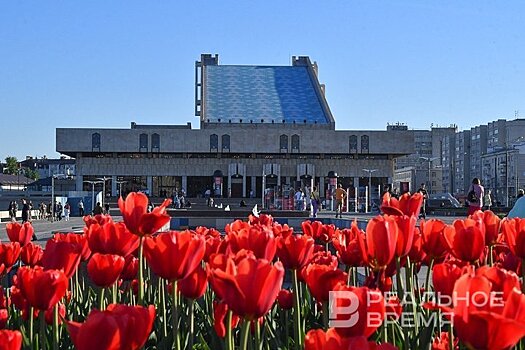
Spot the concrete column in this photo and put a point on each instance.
(253, 185)
(229, 185)
(149, 184)
(114, 186)
(185, 183)
(79, 182)
(321, 187)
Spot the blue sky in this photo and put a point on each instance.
(107, 63)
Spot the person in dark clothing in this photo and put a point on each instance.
(25, 210)
(423, 191)
(98, 209)
(106, 208)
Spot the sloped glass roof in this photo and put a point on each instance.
(261, 94)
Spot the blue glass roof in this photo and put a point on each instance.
(268, 93)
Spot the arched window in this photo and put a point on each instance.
(143, 142)
(353, 144)
(214, 142)
(95, 142)
(155, 142)
(283, 142)
(364, 144)
(225, 142)
(295, 143)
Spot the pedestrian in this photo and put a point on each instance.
(98, 209)
(475, 196)
(58, 212)
(106, 208)
(518, 210)
(25, 210)
(488, 199)
(11, 209)
(49, 211)
(299, 199)
(422, 189)
(340, 195)
(42, 210)
(30, 204)
(314, 196)
(67, 209)
(81, 208)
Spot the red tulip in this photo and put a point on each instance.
(136, 217)
(194, 286)
(31, 254)
(60, 255)
(21, 233)
(405, 238)
(484, 315)
(49, 315)
(443, 342)
(213, 246)
(514, 232)
(10, 340)
(42, 289)
(4, 301)
(321, 279)
(295, 251)
(131, 268)
(444, 276)
(285, 299)
(4, 316)
(249, 287)
(104, 269)
(492, 226)
(434, 242)
(97, 219)
(111, 238)
(368, 306)
(260, 240)
(467, 240)
(80, 240)
(118, 327)
(317, 339)
(406, 205)
(9, 253)
(174, 255)
(220, 309)
(349, 244)
(381, 240)
(318, 231)
(416, 253)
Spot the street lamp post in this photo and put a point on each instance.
(429, 160)
(92, 192)
(119, 183)
(369, 171)
(103, 180)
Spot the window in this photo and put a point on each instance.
(225, 143)
(214, 142)
(364, 144)
(295, 143)
(143, 142)
(283, 142)
(95, 142)
(353, 144)
(155, 142)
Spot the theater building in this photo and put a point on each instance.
(261, 127)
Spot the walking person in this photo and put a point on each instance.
(422, 189)
(67, 209)
(340, 196)
(488, 199)
(25, 210)
(98, 209)
(299, 199)
(12, 213)
(475, 196)
(81, 208)
(315, 200)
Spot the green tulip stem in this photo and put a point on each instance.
(56, 336)
(244, 334)
(114, 293)
(31, 322)
(162, 291)
(101, 303)
(175, 309)
(325, 315)
(229, 339)
(141, 272)
(191, 312)
(297, 312)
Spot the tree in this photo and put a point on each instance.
(31, 173)
(11, 165)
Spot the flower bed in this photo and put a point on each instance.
(345, 289)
